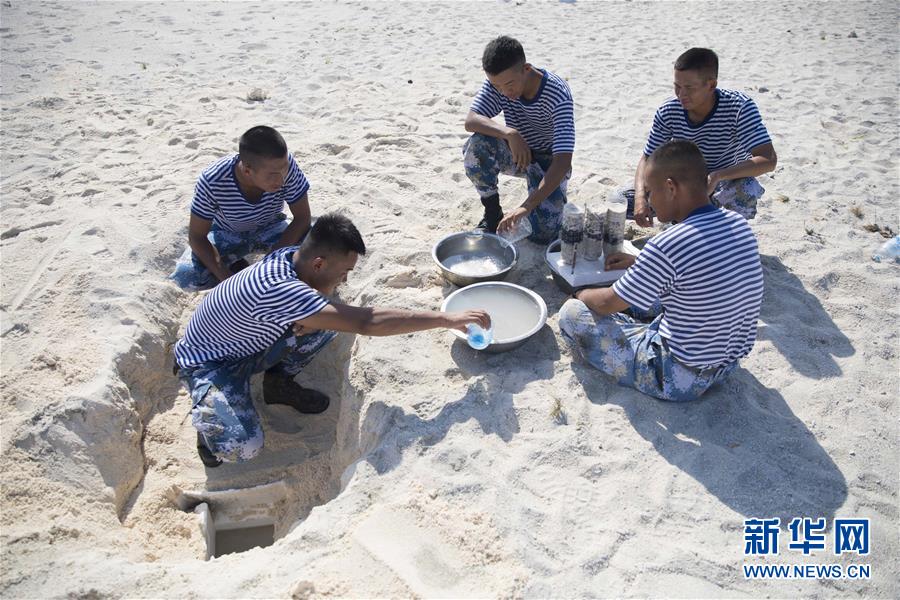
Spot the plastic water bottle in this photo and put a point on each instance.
(478, 337)
(889, 251)
(519, 231)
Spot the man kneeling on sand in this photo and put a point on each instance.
(238, 209)
(694, 291)
(273, 317)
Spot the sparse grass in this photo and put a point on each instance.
(257, 95)
(885, 231)
(857, 211)
(557, 413)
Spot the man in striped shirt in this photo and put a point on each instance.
(238, 208)
(727, 127)
(536, 142)
(273, 317)
(694, 292)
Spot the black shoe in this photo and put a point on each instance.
(238, 265)
(282, 389)
(493, 214)
(208, 459)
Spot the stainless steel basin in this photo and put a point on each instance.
(516, 313)
(493, 256)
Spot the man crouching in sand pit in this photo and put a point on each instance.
(273, 317)
(536, 143)
(238, 209)
(695, 290)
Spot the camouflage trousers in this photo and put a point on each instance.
(192, 275)
(634, 353)
(485, 158)
(737, 195)
(222, 410)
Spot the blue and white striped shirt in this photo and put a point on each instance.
(248, 312)
(725, 137)
(707, 275)
(547, 121)
(218, 198)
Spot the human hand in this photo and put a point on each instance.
(300, 330)
(459, 320)
(520, 151)
(510, 220)
(643, 216)
(619, 260)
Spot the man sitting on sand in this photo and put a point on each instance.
(536, 143)
(238, 209)
(725, 125)
(699, 281)
(273, 317)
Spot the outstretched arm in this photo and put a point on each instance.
(389, 321)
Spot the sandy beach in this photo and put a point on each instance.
(437, 471)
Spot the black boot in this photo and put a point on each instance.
(279, 388)
(493, 214)
(210, 460)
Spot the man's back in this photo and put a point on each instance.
(707, 274)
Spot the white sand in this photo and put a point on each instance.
(437, 471)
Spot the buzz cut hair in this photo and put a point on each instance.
(681, 161)
(702, 60)
(501, 54)
(331, 234)
(261, 142)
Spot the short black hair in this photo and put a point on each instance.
(703, 60)
(501, 54)
(332, 233)
(682, 161)
(261, 142)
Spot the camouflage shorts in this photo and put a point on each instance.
(634, 353)
(485, 158)
(222, 409)
(192, 275)
(739, 195)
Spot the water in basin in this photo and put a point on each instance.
(513, 313)
(473, 264)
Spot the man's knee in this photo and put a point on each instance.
(570, 314)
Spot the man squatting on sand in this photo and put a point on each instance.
(536, 143)
(724, 124)
(238, 209)
(694, 291)
(273, 317)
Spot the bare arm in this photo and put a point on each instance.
(763, 160)
(198, 229)
(476, 123)
(389, 321)
(298, 226)
(642, 214)
(603, 301)
(559, 167)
